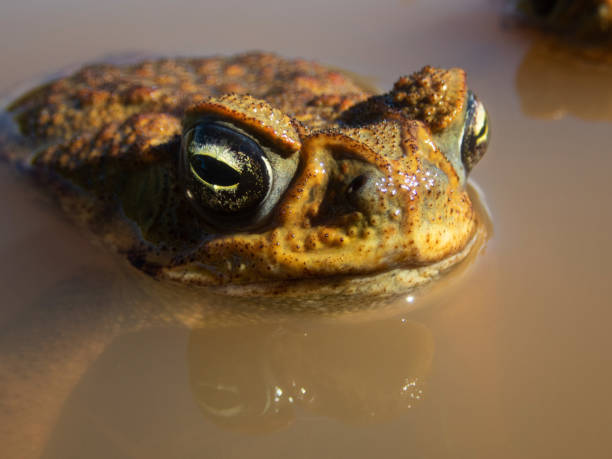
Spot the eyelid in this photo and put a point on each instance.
(255, 116)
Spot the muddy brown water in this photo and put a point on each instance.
(511, 360)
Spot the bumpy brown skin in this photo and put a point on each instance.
(589, 20)
(107, 141)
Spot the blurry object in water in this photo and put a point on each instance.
(557, 78)
(581, 19)
(254, 378)
(354, 366)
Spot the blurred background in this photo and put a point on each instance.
(511, 360)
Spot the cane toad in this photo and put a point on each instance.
(255, 174)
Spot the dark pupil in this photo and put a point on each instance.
(482, 130)
(214, 171)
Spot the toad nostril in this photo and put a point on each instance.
(356, 184)
(357, 193)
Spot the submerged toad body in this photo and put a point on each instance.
(258, 174)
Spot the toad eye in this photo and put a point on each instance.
(475, 134)
(225, 173)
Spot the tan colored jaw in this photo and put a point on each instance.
(312, 293)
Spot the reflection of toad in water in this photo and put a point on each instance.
(557, 78)
(256, 379)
